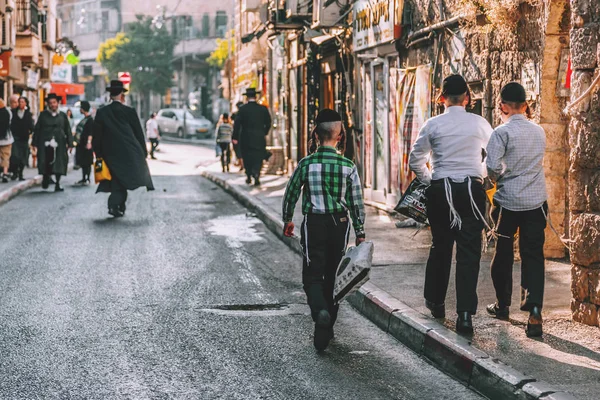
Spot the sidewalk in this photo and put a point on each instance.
(13, 188)
(567, 357)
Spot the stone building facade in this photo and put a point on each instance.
(584, 161)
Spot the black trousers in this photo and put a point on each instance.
(531, 225)
(467, 239)
(118, 195)
(225, 154)
(153, 146)
(253, 167)
(324, 240)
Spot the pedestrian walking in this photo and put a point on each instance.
(71, 119)
(52, 138)
(239, 162)
(453, 143)
(224, 133)
(119, 141)
(153, 134)
(21, 127)
(516, 162)
(6, 140)
(332, 190)
(84, 155)
(252, 125)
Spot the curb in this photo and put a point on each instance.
(448, 351)
(9, 194)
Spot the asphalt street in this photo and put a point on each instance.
(187, 297)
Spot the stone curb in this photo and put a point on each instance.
(445, 349)
(9, 194)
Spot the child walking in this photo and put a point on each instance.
(331, 190)
(224, 136)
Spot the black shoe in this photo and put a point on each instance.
(45, 182)
(497, 311)
(437, 310)
(13, 177)
(248, 180)
(58, 188)
(21, 178)
(81, 182)
(534, 324)
(4, 179)
(256, 181)
(464, 323)
(115, 212)
(322, 330)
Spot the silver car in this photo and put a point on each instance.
(171, 122)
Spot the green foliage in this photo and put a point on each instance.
(225, 49)
(145, 51)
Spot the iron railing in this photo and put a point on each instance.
(28, 16)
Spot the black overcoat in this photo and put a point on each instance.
(251, 126)
(51, 127)
(21, 129)
(83, 156)
(118, 138)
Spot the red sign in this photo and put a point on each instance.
(125, 77)
(4, 63)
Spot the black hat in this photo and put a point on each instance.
(54, 96)
(514, 93)
(116, 87)
(328, 115)
(454, 85)
(250, 92)
(85, 106)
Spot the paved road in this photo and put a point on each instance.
(187, 297)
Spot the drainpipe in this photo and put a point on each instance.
(434, 27)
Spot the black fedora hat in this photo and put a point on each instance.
(251, 92)
(116, 87)
(54, 96)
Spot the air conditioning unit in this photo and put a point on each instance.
(299, 9)
(251, 5)
(278, 20)
(328, 14)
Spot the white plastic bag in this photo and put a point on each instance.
(353, 271)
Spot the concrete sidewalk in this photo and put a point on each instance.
(568, 356)
(13, 188)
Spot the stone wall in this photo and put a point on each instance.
(584, 160)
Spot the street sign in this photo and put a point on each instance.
(124, 77)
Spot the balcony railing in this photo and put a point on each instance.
(27, 16)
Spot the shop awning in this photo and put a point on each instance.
(67, 89)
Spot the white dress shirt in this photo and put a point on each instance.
(516, 161)
(152, 128)
(453, 144)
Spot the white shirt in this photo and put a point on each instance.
(516, 161)
(453, 144)
(152, 129)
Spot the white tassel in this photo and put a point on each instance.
(454, 217)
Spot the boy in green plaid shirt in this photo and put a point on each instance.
(330, 189)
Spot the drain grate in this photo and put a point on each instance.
(256, 310)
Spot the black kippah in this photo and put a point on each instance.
(513, 93)
(328, 115)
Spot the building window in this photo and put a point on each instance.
(27, 16)
(88, 70)
(221, 23)
(205, 25)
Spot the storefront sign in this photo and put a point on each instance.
(5, 63)
(530, 79)
(32, 78)
(373, 23)
(62, 73)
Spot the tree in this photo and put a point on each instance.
(223, 51)
(145, 51)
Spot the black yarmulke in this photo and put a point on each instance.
(85, 106)
(328, 115)
(514, 93)
(454, 85)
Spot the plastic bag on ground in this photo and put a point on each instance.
(354, 270)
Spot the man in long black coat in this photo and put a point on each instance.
(119, 140)
(251, 126)
(52, 137)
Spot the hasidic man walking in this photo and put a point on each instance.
(119, 140)
(516, 162)
(52, 137)
(251, 127)
(454, 144)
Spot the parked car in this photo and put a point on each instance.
(170, 121)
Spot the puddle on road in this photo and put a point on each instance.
(237, 228)
(257, 310)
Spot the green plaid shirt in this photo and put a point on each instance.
(331, 185)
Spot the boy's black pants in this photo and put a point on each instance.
(467, 239)
(324, 240)
(531, 225)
